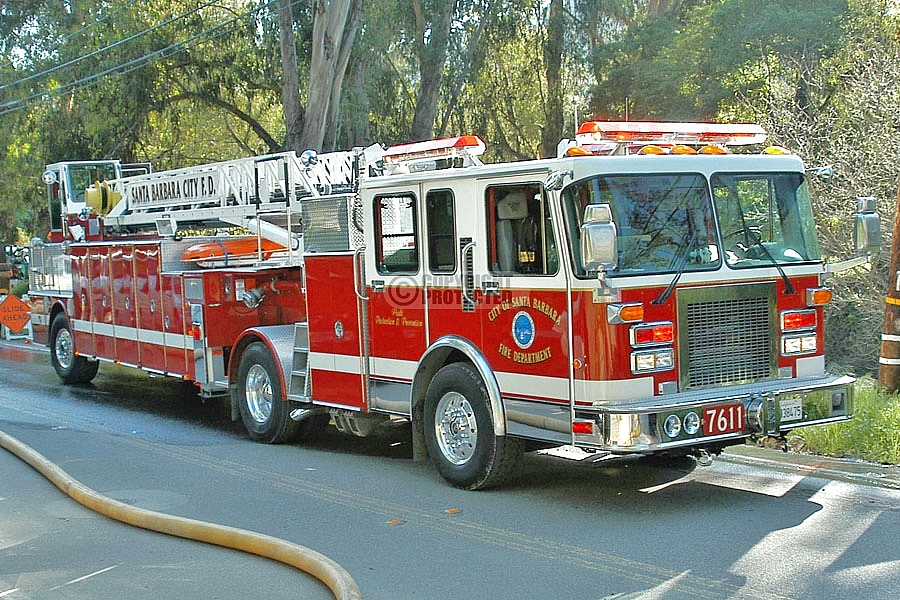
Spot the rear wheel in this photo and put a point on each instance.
(260, 398)
(70, 367)
(459, 431)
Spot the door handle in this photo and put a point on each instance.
(358, 283)
(467, 286)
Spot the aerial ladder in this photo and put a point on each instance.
(270, 196)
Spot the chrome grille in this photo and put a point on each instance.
(726, 335)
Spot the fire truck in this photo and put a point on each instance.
(657, 288)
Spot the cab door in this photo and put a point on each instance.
(523, 306)
(395, 293)
(451, 214)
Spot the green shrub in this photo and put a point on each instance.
(19, 289)
(873, 434)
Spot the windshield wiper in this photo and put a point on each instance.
(683, 260)
(757, 241)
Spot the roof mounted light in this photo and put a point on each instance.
(578, 151)
(711, 149)
(652, 149)
(461, 151)
(662, 133)
(470, 144)
(683, 149)
(776, 150)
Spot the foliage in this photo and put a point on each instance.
(873, 434)
(692, 63)
(19, 289)
(848, 120)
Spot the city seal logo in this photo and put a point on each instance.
(523, 330)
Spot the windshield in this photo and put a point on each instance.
(664, 222)
(83, 175)
(765, 217)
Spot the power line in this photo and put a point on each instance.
(97, 21)
(135, 64)
(110, 47)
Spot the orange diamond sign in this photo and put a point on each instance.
(14, 313)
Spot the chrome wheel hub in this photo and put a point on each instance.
(455, 428)
(258, 392)
(63, 349)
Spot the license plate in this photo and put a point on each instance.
(791, 409)
(727, 418)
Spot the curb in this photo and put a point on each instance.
(841, 469)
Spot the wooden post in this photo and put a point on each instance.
(889, 362)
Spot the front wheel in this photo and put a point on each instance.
(70, 367)
(264, 410)
(459, 431)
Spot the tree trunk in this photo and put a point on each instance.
(461, 77)
(290, 86)
(553, 56)
(330, 18)
(432, 57)
(332, 127)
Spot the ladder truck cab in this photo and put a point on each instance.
(648, 291)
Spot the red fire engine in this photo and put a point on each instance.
(648, 291)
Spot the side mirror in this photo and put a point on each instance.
(556, 179)
(824, 174)
(867, 230)
(599, 246)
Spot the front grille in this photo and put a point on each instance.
(726, 335)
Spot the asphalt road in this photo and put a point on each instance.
(752, 527)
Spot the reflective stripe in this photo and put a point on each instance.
(145, 336)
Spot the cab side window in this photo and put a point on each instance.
(396, 234)
(440, 216)
(521, 239)
(56, 195)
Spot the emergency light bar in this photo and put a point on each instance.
(647, 132)
(471, 145)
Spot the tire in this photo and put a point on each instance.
(264, 411)
(459, 431)
(70, 367)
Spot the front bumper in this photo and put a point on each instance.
(769, 409)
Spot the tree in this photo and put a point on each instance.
(335, 23)
(846, 116)
(689, 60)
(553, 50)
(432, 38)
(290, 76)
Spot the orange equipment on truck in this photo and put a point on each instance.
(646, 292)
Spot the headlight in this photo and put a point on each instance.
(652, 360)
(691, 423)
(672, 426)
(799, 344)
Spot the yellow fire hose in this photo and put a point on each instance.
(323, 568)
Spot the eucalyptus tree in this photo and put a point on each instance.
(691, 59)
(71, 88)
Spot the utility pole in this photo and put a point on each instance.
(889, 362)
